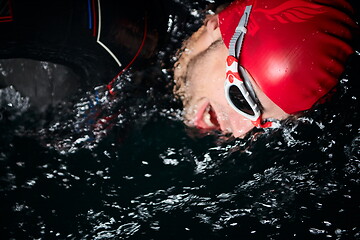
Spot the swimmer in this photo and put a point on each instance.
(257, 62)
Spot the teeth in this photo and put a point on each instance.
(207, 118)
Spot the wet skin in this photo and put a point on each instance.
(201, 69)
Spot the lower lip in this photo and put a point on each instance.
(199, 121)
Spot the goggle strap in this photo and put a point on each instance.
(240, 31)
(260, 124)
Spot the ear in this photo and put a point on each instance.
(212, 26)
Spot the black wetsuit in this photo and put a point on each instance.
(92, 40)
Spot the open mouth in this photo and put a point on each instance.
(206, 118)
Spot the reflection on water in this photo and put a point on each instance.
(126, 168)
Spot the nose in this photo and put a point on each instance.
(240, 125)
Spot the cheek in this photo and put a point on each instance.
(208, 84)
(214, 80)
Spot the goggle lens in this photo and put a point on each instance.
(239, 101)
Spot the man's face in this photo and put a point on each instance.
(201, 68)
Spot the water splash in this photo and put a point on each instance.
(12, 104)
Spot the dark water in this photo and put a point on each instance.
(125, 167)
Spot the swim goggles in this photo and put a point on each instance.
(238, 90)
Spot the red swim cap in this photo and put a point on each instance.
(295, 50)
